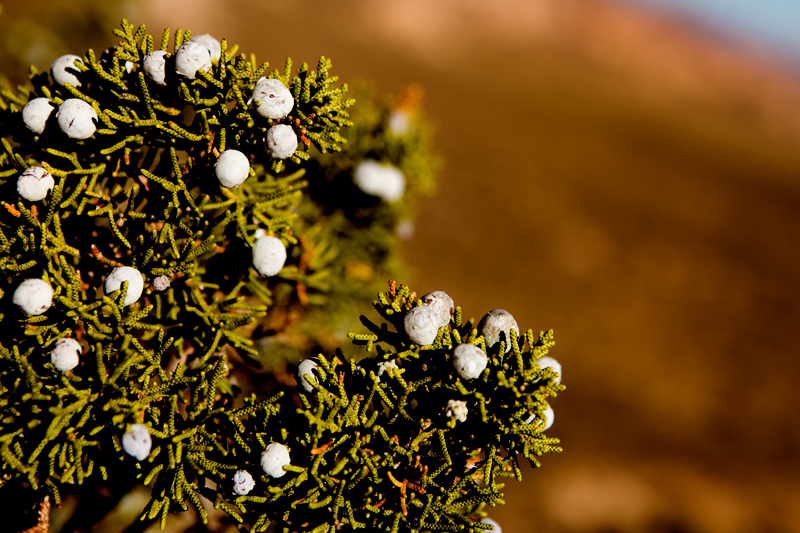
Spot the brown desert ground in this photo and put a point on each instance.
(626, 182)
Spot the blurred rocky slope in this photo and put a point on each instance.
(625, 181)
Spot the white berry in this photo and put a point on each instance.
(77, 119)
(269, 255)
(404, 229)
(65, 355)
(154, 66)
(34, 296)
(399, 122)
(36, 112)
(458, 409)
(440, 302)
(469, 361)
(190, 58)
(497, 528)
(243, 483)
(232, 168)
(495, 322)
(281, 141)
(375, 179)
(385, 366)
(137, 442)
(549, 362)
(421, 325)
(211, 44)
(161, 283)
(273, 98)
(548, 415)
(60, 73)
(34, 183)
(274, 458)
(134, 279)
(305, 368)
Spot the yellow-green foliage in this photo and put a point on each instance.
(377, 450)
(368, 449)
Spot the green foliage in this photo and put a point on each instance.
(381, 434)
(142, 192)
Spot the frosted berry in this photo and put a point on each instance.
(34, 296)
(134, 279)
(273, 98)
(155, 66)
(404, 229)
(63, 70)
(190, 58)
(274, 458)
(442, 304)
(549, 362)
(66, 354)
(421, 325)
(548, 415)
(497, 528)
(34, 183)
(399, 122)
(243, 483)
(269, 255)
(232, 168)
(161, 283)
(385, 366)
(469, 361)
(457, 409)
(494, 323)
(36, 112)
(376, 179)
(77, 119)
(305, 368)
(137, 442)
(281, 141)
(211, 44)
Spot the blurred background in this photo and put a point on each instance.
(626, 173)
